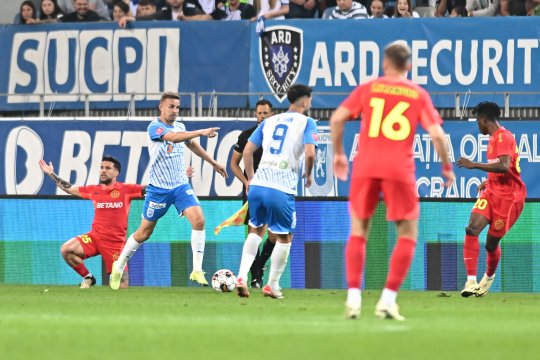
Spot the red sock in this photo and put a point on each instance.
(400, 262)
(355, 255)
(81, 269)
(471, 250)
(493, 261)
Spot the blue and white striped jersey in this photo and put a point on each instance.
(168, 168)
(282, 138)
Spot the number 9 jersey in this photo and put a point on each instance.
(391, 110)
(282, 138)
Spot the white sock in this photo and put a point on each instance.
(471, 277)
(127, 252)
(249, 252)
(198, 238)
(388, 296)
(354, 297)
(279, 258)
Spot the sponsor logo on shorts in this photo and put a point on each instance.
(156, 206)
(109, 205)
(115, 194)
(499, 224)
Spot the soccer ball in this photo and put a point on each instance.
(223, 280)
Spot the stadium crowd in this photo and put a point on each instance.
(124, 11)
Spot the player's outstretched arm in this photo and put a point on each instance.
(438, 137)
(188, 135)
(61, 183)
(501, 166)
(200, 152)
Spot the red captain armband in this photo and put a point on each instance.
(447, 167)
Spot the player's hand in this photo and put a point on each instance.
(210, 132)
(464, 162)
(450, 177)
(308, 180)
(341, 166)
(482, 186)
(221, 170)
(190, 171)
(47, 168)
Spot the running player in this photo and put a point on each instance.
(501, 199)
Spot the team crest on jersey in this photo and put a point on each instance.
(499, 224)
(324, 182)
(280, 53)
(115, 194)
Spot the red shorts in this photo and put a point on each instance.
(93, 244)
(501, 213)
(400, 198)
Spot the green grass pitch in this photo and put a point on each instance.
(60, 322)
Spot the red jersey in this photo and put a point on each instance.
(111, 208)
(391, 109)
(506, 185)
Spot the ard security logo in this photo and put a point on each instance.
(280, 53)
(324, 181)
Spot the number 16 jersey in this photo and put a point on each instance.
(391, 110)
(282, 138)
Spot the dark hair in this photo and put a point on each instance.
(461, 11)
(487, 110)
(30, 4)
(147, 2)
(399, 54)
(169, 95)
(113, 160)
(122, 5)
(263, 102)
(57, 12)
(296, 91)
(396, 11)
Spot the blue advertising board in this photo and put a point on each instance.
(76, 147)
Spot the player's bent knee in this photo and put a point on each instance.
(472, 230)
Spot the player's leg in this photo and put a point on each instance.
(257, 222)
(146, 228)
(471, 247)
(403, 208)
(364, 196)
(195, 216)
(492, 261)
(74, 251)
(255, 270)
(265, 254)
(280, 257)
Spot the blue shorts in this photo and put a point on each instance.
(272, 207)
(158, 201)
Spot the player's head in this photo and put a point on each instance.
(263, 110)
(486, 113)
(397, 56)
(109, 170)
(299, 95)
(169, 106)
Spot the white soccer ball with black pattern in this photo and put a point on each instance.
(223, 280)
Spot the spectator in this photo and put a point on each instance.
(82, 13)
(301, 9)
(50, 13)
(27, 13)
(444, 7)
(234, 10)
(146, 10)
(459, 11)
(272, 9)
(481, 7)
(98, 6)
(347, 9)
(512, 7)
(377, 8)
(404, 9)
(120, 10)
(182, 10)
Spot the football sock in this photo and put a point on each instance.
(254, 269)
(400, 262)
(127, 252)
(198, 238)
(251, 247)
(492, 261)
(388, 296)
(355, 255)
(354, 297)
(266, 252)
(471, 251)
(279, 258)
(81, 270)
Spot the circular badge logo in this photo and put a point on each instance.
(499, 224)
(115, 194)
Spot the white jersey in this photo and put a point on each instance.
(282, 138)
(168, 168)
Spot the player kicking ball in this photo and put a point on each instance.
(501, 200)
